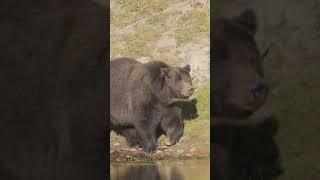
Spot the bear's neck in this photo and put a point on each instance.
(162, 92)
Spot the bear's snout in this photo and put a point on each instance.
(187, 91)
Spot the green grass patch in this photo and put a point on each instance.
(193, 24)
(142, 43)
(158, 18)
(163, 54)
(115, 45)
(129, 11)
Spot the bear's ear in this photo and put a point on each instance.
(164, 72)
(248, 19)
(187, 67)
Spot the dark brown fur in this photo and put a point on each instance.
(142, 93)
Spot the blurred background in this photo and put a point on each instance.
(292, 31)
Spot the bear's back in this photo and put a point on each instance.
(131, 87)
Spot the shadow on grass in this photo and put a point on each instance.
(190, 110)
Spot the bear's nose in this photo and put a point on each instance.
(260, 91)
(190, 90)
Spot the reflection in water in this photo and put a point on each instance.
(182, 170)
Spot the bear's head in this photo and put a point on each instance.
(177, 81)
(238, 85)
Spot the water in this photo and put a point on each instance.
(174, 170)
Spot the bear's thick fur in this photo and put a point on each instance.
(140, 96)
(239, 87)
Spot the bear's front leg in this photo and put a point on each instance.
(146, 133)
(131, 137)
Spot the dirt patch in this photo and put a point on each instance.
(197, 55)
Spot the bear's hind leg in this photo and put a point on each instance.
(132, 137)
(147, 134)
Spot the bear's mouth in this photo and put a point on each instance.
(183, 96)
(177, 100)
(186, 95)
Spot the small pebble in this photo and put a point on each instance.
(193, 149)
(158, 151)
(180, 151)
(163, 147)
(188, 155)
(116, 144)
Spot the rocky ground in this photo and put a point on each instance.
(176, 32)
(121, 153)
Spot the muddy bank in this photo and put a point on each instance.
(122, 153)
(136, 155)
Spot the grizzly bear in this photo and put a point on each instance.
(140, 96)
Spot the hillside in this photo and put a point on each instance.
(175, 32)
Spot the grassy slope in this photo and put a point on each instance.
(141, 39)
